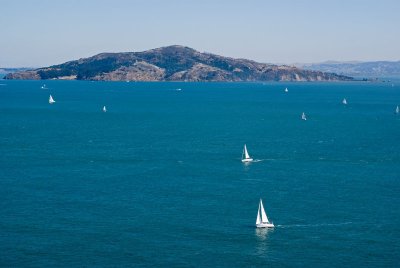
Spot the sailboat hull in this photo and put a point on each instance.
(265, 225)
(247, 160)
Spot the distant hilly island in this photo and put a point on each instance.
(172, 63)
(373, 69)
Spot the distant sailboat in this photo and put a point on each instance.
(397, 110)
(303, 116)
(104, 109)
(344, 101)
(51, 100)
(262, 219)
(286, 90)
(245, 155)
(43, 87)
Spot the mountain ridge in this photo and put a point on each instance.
(172, 63)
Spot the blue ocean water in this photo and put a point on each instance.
(158, 181)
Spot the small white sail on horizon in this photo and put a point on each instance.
(397, 109)
(303, 116)
(262, 219)
(344, 101)
(43, 87)
(104, 109)
(51, 100)
(245, 155)
(286, 90)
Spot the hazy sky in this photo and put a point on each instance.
(44, 32)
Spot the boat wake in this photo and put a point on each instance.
(250, 179)
(312, 225)
(265, 159)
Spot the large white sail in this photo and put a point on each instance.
(245, 156)
(245, 153)
(264, 217)
(258, 221)
(51, 100)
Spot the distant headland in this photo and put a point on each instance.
(172, 63)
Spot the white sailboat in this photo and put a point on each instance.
(104, 109)
(262, 219)
(51, 100)
(286, 90)
(303, 116)
(245, 155)
(44, 86)
(397, 109)
(344, 101)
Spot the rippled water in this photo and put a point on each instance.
(157, 180)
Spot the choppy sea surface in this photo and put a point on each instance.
(157, 180)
